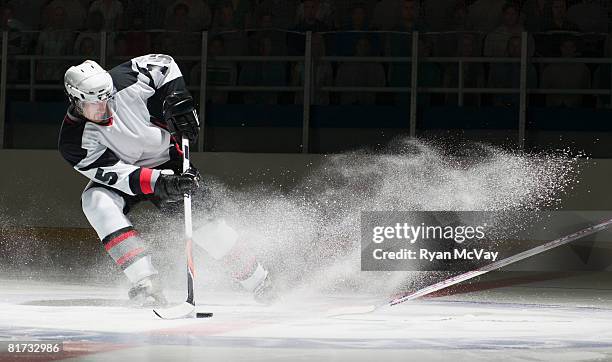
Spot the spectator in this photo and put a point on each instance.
(112, 10)
(322, 74)
(508, 75)
(198, 12)
(224, 22)
(459, 19)
(386, 14)
(95, 24)
(267, 30)
(225, 18)
(283, 12)
(75, 14)
(120, 47)
(558, 19)
(429, 75)
(549, 44)
(181, 20)
(182, 36)
(400, 44)
(138, 40)
(343, 11)
(310, 22)
(263, 74)
(485, 15)
(566, 76)
(590, 15)
(473, 73)
(459, 22)
(310, 19)
(219, 72)
(54, 40)
(496, 42)
(321, 10)
(601, 78)
(359, 74)
(345, 41)
(87, 48)
(153, 12)
(408, 20)
(242, 8)
(535, 13)
(29, 15)
(18, 40)
(437, 14)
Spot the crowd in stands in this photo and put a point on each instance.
(468, 28)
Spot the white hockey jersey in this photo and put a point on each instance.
(123, 152)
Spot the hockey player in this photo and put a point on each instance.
(120, 131)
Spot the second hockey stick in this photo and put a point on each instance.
(480, 271)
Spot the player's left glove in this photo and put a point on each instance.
(180, 116)
(173, 187)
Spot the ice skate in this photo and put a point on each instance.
(266, 293)
(147, 293)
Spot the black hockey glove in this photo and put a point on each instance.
(180, 116)
(172, 188)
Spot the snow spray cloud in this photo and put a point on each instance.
(310, 236)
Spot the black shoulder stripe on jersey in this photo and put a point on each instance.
(69, 142)
(72, 153)
(123, 75)
(108, 158)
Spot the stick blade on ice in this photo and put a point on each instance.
(362, 309)
(183, 310)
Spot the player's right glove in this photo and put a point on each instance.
(180, 115)
(172, 188)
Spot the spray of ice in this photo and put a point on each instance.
(309, 237)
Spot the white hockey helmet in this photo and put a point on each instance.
(90, 89)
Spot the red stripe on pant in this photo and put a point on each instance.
(113, 242)
(129, 255)
(145, 180)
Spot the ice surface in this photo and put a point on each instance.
(565, 319)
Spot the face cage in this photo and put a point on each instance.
(81, 107)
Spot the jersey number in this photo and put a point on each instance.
(110, 177)
(158, 59)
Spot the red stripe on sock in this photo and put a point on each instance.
(145, 180)
(113, 242)
(129, 256)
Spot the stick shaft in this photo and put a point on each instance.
(188, 227)
(503, 262)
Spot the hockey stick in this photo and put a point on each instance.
(187, 308)
(474, 273)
